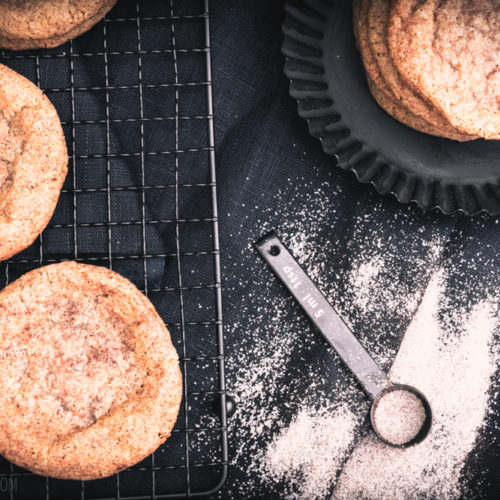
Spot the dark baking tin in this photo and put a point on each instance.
(328, 82)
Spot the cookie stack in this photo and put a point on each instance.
(434, 66)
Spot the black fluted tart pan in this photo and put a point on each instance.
(328, 82)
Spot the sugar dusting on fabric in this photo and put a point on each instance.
(454, 368)
(292, 433)
(313, 445)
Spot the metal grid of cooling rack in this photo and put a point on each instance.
(135, 98)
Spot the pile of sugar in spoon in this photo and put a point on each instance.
(399, 416)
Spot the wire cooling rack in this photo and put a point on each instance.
(135, 98)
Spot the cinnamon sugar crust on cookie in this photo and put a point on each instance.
(370, 29)
(33, 24)
(89, 379)
(377, 14)
(449, 52)
(33, 162)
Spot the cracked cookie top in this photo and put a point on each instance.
(449, 51)
(89, 379)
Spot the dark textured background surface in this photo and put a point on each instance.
(263, 147)
(271, 174)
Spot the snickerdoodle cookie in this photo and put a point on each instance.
(377, 82)
(89, 379)
(32, 24)
(377, 13)
(33, 162)
(449, 51)
(434, 66)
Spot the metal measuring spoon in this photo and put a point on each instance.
(373, 380)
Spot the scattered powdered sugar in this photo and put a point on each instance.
(398, 416)
(454, 369)
(315, 444)
(296, 401)
(372, 284)
(259, 384)
(325, 427)
(362, 276)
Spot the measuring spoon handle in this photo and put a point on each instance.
(322, 314)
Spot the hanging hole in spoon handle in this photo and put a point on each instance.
(403, 422)
(274, 250)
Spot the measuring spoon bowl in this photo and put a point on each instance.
(426, 425)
